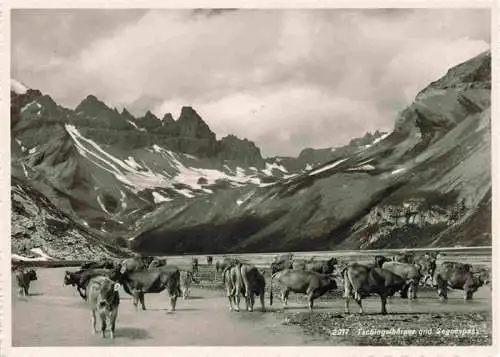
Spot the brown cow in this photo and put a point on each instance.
(459, 276)
(104, 300)
(306, 282)
(361, 281)
(410, 273)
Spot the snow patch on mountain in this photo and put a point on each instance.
(269, 168)
(159, 198)
(327, 167)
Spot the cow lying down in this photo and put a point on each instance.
(306, 282)
(360, 281)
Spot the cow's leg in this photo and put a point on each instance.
(383, 301)
(310, 301)
(468, 295)
(93, 320)
(141, 299)
(252, 301)
(26, 290)
(358, 301)
(262, 304)
(112, 324)
(173, 302)
(346, 304)
(82, 294)
(20, 291)
(286, 292)
(442, 289)
(230, 298)
(236, 298)
(135, 298)
(103, 325)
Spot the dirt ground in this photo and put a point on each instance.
(55, 315)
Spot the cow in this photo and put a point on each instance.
(209, 260)
(101, 264)
(299, 264)
(140, 282)
(230, 281)
(81, 278)
(24, 279)
(185, 279)
(281, 263)
(306, 282)
(252, 283)
(244, 280)
(410, 273)
(278, 258)
(408, 258)
(130, 265)
(156, 263)
(194, 266)
(380, 260)
(325, 267)
(226, 262)
(426, 266)
(103, 299)
(361, 281)
(458, 276)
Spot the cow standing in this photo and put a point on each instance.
(194, 266)
(310, 283)
(361, 281)
(141, 282)
(325, 267)
(156, 263)
(244, 280)
(24, 279)
(459, 276)
(209, 260)
(410, 273)
(281, 263)
(103, 299)
(185, 280)
(81, 278)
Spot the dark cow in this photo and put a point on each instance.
(81, 278)
(194, 266)
(209, 260)
(24, 279)
(459, 276)
(325, 267)
(252, 283)
(103, 300)
(138, 283)
(410, 273)
(361, 281)
(130, 265)
(306, 282)
(156, 263)
(426, 266)
(380, 260)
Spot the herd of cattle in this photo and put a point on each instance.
(98, 282)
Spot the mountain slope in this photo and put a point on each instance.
(430, 176)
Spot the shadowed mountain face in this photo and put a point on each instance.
(169, 186)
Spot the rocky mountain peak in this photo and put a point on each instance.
(91, 105)
(127, 115)
(168, 119)
(190, 124)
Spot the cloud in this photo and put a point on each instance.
(285, 79)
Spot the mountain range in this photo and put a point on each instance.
(167, 186)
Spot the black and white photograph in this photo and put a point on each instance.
(250, 176)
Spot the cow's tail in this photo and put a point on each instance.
(271, 288)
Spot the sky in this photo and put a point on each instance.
(285, 79)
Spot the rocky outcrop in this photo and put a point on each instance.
(240, 150)
(38, 224)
